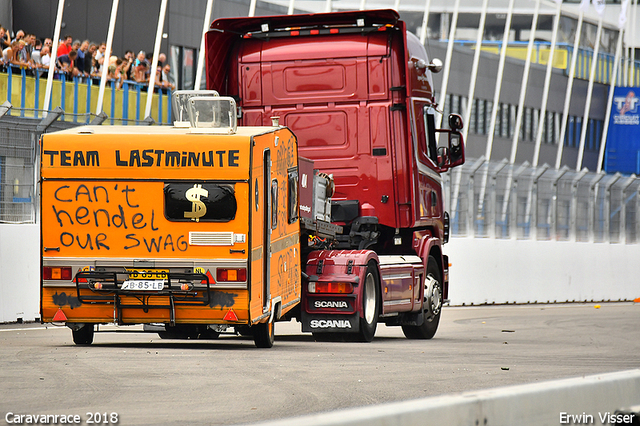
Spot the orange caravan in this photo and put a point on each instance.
(192, 228)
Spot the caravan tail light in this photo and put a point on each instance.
(56, 273)
(231, 275)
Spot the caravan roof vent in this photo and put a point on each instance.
(181, 104)
(213, 115)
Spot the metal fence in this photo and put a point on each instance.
(17, 175)
(500, 200)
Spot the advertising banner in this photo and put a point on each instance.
(623, 139)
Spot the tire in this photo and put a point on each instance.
(83, 335)
(432, 307)
(264, 334)
(370, 304)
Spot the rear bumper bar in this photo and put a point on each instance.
(110, 291)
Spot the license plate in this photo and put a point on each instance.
(144, 285)
(148, 274)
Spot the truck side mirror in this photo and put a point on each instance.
(455, 122)
(456, 149)
(451, 154)
(435, 66)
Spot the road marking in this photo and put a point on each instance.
(31, 328)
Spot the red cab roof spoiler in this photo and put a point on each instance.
(244, 24)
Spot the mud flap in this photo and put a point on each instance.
(317, 323)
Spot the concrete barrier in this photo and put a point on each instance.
(486, 270)
(19, 272)
(483, 271)
(589, 400)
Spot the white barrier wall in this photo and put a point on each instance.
(19, 272)
(483, 271)
(488, 270)
(592, 400)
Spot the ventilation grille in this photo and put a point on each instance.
(211, 238)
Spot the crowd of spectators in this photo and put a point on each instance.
(80, 59)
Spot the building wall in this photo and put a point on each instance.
(136, 22)
(5, 14)
(461, 66)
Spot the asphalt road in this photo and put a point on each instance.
(142, 380)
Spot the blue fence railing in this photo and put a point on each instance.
(78, 97)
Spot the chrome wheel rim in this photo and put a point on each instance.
(369, 303)
(432, 296)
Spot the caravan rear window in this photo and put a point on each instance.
(199, 201)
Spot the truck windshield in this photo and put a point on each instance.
(199, 201)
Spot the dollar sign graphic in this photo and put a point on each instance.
(198, 209)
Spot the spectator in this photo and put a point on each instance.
(141, 68)
(140, 72)
(30, 39)
(89, 59)
(127, 66)
(115, 71)
(7, 54)
(140, 58)
(23, 54)
(5, 40)
(45, 53)
(65, 46)
(162, 58)
(65, 63)
(167, 79)
(78, 64)
(100, 54)
(149, 59)
(84, 51)
(12, 56)
(48, 42)
(111, 68)
(19, 36)
(45, 56)
(35, 54)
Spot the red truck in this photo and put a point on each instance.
(357, 91)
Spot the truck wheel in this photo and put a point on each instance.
(370, 305)
(432, 305)
(264, 334)
(83, 335)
